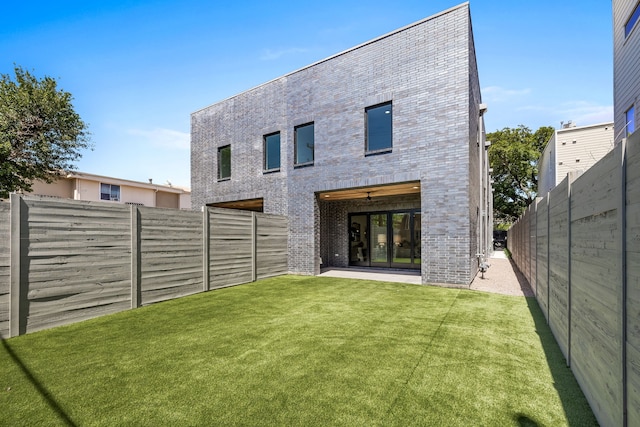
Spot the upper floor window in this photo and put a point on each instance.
(224, 162)
(272, 152)
(630, 121)
(378, 128)
(304, 144)
(110, 192)
(632, 20)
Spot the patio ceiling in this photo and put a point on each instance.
(374, 192)
(247, 205)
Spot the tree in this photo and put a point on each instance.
(40, 133)
(514, 155)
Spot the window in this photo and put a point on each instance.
(304, 142)
(272, 152)
(110, 192)
(378, 128)
(630, 121)
(224, 162)
(632, 20)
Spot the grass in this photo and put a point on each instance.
(298, 351)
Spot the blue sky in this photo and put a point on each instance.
(138, 69)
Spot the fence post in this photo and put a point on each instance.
(548, 259)
(18, 304)
(570, 178)
(206, 238)
(254, 252)
(136, 273)
(622, 218)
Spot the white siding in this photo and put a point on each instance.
(626, 63)
(580, 148)
(572, 150)
(547, 168)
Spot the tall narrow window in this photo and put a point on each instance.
(630, 121)
(632, 20)
(110, 192)
(378, 128)
(224, 162)
(304, 144)
(272, 152)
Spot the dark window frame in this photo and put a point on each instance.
(265, 150)
(367, 138)
(295, 145)
(632, 21)
(220, 150)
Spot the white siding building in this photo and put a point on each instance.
(572, 149)
(626, 66)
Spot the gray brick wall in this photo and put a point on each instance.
(428, 71)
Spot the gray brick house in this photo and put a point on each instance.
(376, 155)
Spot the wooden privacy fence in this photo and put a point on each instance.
(63, 261)
(580, 247)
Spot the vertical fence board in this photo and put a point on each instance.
(533, 241)
(5, 267)
(596, 329)
(171, 254)
(271, 250)
(559, 265)
(230, 247)
(78, 256)
(542, 252)
(633, 278)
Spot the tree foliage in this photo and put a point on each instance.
(40, 132)
(513, 155)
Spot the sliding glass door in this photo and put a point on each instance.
(385, 239)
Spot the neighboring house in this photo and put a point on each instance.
(626, 66)
(86, 186)
(376, 155)
(572, 148)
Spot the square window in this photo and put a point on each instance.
(378, 133)
(224, 162)
(272, 152)
(304, 144)
(630, 121)
(110, 192)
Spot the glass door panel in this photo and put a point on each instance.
(401, 232)
(358, 240)
(379, 240)
(417, 238)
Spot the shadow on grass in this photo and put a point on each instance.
(524, 421)
(576, 407)
(38, 385)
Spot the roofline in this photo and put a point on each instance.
(384, 36)
(585, 126)
(109, 180)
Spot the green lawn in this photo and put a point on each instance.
(298, 351)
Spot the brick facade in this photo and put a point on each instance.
(428, 71)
